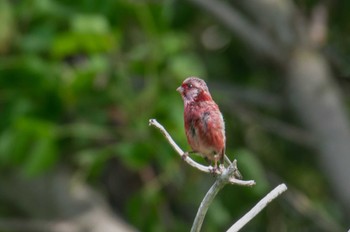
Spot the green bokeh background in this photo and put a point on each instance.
(79, 81)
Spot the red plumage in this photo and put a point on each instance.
(204, 124)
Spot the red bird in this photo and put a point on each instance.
(204, 124)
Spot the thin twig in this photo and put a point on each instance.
(187, 159)
(224, 176)
(258, 207)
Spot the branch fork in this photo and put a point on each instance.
(224, 176)
(230, 170)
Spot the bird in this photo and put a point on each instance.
(203, 121)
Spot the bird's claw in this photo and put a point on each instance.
(213, 170)
(184, 155)
(237, 174)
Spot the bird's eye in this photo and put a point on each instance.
(189, 85)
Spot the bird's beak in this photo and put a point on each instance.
(180, 89)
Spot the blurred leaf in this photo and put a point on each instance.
(7, 25)
(7, 140)
(185, 65)
(41, 157)
(72, 43)
(48, 8)
(89, 34)
(84, 130)
(145, 212)
(80, 79)
(173, 43)
(38, 40)
(36, 127)
(218, 215)
(90, 24)
(38, 144)
(92, 161)
(135, 154)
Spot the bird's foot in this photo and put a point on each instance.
(184, 155)
(213, 170)
(237, 174)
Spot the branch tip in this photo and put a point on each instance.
(151, 122)
(230, 170)
(225, 176)
(258, 207)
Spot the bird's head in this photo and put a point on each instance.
(194, 89)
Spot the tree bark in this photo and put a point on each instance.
(318, 102)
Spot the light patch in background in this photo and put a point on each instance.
(213, 38)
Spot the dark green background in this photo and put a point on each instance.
(79, 81)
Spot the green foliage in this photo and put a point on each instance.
(80, 79)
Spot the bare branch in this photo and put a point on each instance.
(226, 175)
(207, 200)
(187, 159)
(221, 181)
(258, 207)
